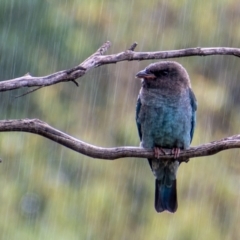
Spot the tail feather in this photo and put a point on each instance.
(166, 184)
(166, 196)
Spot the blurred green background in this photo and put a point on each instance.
(51, 192)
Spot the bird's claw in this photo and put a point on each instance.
(158, 152)
(176, 152)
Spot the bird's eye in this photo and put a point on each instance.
(164, 72)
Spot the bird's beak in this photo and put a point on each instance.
(145, 75)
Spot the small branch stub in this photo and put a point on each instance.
(133, 46)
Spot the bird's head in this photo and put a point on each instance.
(164, 75)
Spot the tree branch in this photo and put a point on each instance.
(97, 59)
(43, 129)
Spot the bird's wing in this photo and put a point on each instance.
(193, 101)
(138, 107)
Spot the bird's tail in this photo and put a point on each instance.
(166, 184)
(166, 196)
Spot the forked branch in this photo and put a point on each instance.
(99, 59)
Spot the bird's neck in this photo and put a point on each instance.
(154, 97)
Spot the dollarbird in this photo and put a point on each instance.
(166, 118)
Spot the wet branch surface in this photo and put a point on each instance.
(98, 59)
(43, 129)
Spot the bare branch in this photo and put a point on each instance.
(43, 129)
(98, 59)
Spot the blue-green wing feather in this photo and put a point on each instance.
(194, 109)
(138, 108)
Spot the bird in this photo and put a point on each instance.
(166, 118)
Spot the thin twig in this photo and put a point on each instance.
(30, 91)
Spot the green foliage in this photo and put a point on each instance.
(50, 192)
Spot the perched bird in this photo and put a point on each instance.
(166, 118)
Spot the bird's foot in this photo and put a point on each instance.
(158, 152)
(176, 152)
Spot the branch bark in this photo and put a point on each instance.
(98, 59)
(95, 60)
(43, 129)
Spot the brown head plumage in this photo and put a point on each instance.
(165, 75)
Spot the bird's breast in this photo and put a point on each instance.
(165, 121)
